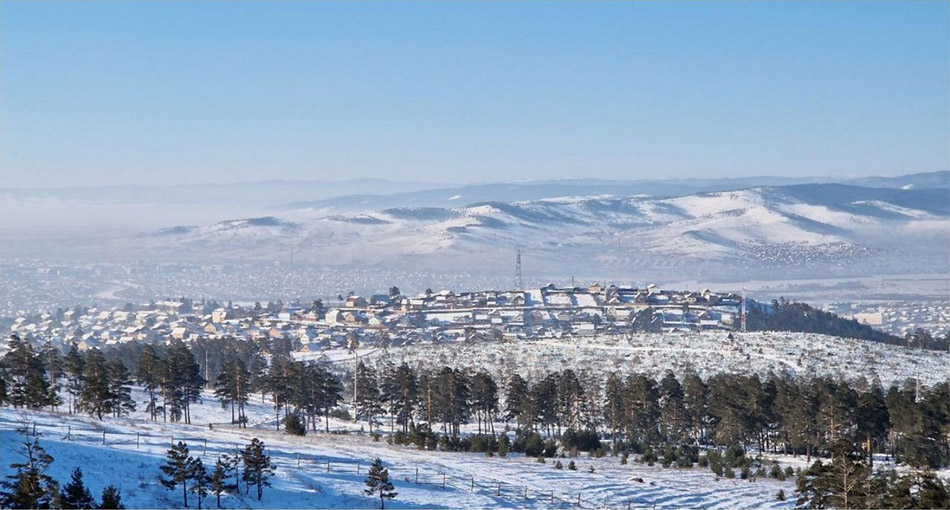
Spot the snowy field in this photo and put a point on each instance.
(708, 353)
(134, 448)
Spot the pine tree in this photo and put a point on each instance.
(177, 470)
(186, 381)
(279, 382)
(74, 367)
(220, 480)
(200, 481)
(54, 373)
(111, 499)
(149, 375)
(96, 397)
(120, 388)
(328, 393)
(232, 388)
(26, 370)
(377, 482)
(366, 395)
(812, 487)
(485, 401)
(614, 411)
(75, 494)
(517, 401)
(30, 486)
(257, 467)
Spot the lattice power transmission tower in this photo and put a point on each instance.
(519, 278)
(743, 310)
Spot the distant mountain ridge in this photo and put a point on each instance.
(802, 228)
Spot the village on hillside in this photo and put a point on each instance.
(395, 319)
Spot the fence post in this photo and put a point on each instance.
(103, 437)
(552, 496)
(417, 476)
(443, 480)
(357, 467)
(525, 492)
(473, 483)
(499, 489)
(298, 459)
(578, 500)
(34, 429)
(206, 447)
(69, 432)
(328, 466)
(137, 440)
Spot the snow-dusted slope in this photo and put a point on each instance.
(812, 226)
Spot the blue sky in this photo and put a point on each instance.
(181, 92)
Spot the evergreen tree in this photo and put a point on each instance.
(120, 388)
(26, 370)
(281, 382)
(186, 381)
(54, 373)
(485, 401)
(75, 494)
(74, 367)
(233, 387)
(871, 419)
(200, 482)
(377, 482)
(672, 408)
(614, 412)
(111, 499)
(96, 397)
(812, 487)
(149, 375)
(220, 480)
(366, 395)
(404, 394)
(177, 470)
(516, 401)
(328, 393)
(257, 467)
(30, 486)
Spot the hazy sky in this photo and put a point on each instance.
(178, 92)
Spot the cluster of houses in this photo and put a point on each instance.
(395, 319)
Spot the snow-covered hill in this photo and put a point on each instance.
(327, 470)
(809, 228)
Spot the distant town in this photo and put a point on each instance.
(395, 319)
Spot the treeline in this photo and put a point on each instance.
(635, 413)
(638, 413)
(33, 378)
(784, 315)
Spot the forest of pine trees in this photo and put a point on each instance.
(670, 420)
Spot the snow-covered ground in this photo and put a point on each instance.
(134, 448)
(707, 353)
